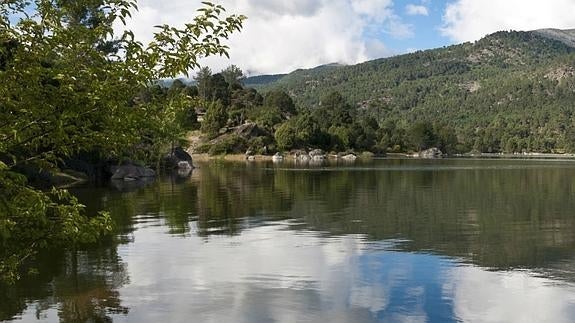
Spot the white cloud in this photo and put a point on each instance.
(515, 296)
(280, 36)
(416, 10)
(468, 20)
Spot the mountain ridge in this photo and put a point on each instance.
(565, 36)
(509, 91)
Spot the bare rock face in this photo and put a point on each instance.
(561, 73)
(248, 130)
(431, 153)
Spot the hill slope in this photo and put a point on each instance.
(509, 89)
(565, 36)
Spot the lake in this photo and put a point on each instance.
(390, 240)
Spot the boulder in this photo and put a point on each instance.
(184, 172)
(303, 157)
(249, 130)
(132, 172)
(431, 153)
(184, 165)
(349, 157)
(317, 154)
(178, 158)
(277, 157)
(181, 154)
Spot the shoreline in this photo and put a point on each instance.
(526, 156)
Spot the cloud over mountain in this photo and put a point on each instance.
(466, 20)
(280, 36)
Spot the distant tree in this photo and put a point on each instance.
(218, 90)
(176, 88)
(216, 118)
(280, 100)
(203, 78)
(446, 138)
(570, 140)
(267, 117)
(334, 110)
(422, 135)
(191, 91)
(233, 75)
(286, 136)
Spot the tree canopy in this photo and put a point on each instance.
(69, 84)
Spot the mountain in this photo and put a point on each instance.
(259, 80)
(492, 56)
(565, 36)
(508, 89)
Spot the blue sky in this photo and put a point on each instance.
(426, 29)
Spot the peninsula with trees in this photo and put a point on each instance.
(510, 92)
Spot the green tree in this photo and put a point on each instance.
(279, 99)
(202, 79)
(233, 75)
(62, 93)
(176, 88)
(446, 139)
(217, 89)
(286, 136)
(422, 135)
(216, 118)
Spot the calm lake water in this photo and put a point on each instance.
(387, 240)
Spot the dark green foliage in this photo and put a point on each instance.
(301, 132)
(422, 135)
(7, 49)
(267, 117)
(280, 100)
(243, 104)
(261, 80)
(511, 91)
(216, 118)
(446, 139)
(262, 145)
(228, 145)
(218, 89)
(65, 91)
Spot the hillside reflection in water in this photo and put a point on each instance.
(389, 240)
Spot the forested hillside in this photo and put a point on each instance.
(510, 91)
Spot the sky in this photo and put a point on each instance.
(283, 35)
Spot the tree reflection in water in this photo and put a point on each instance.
(494, 214)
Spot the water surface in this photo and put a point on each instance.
(388, 240)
